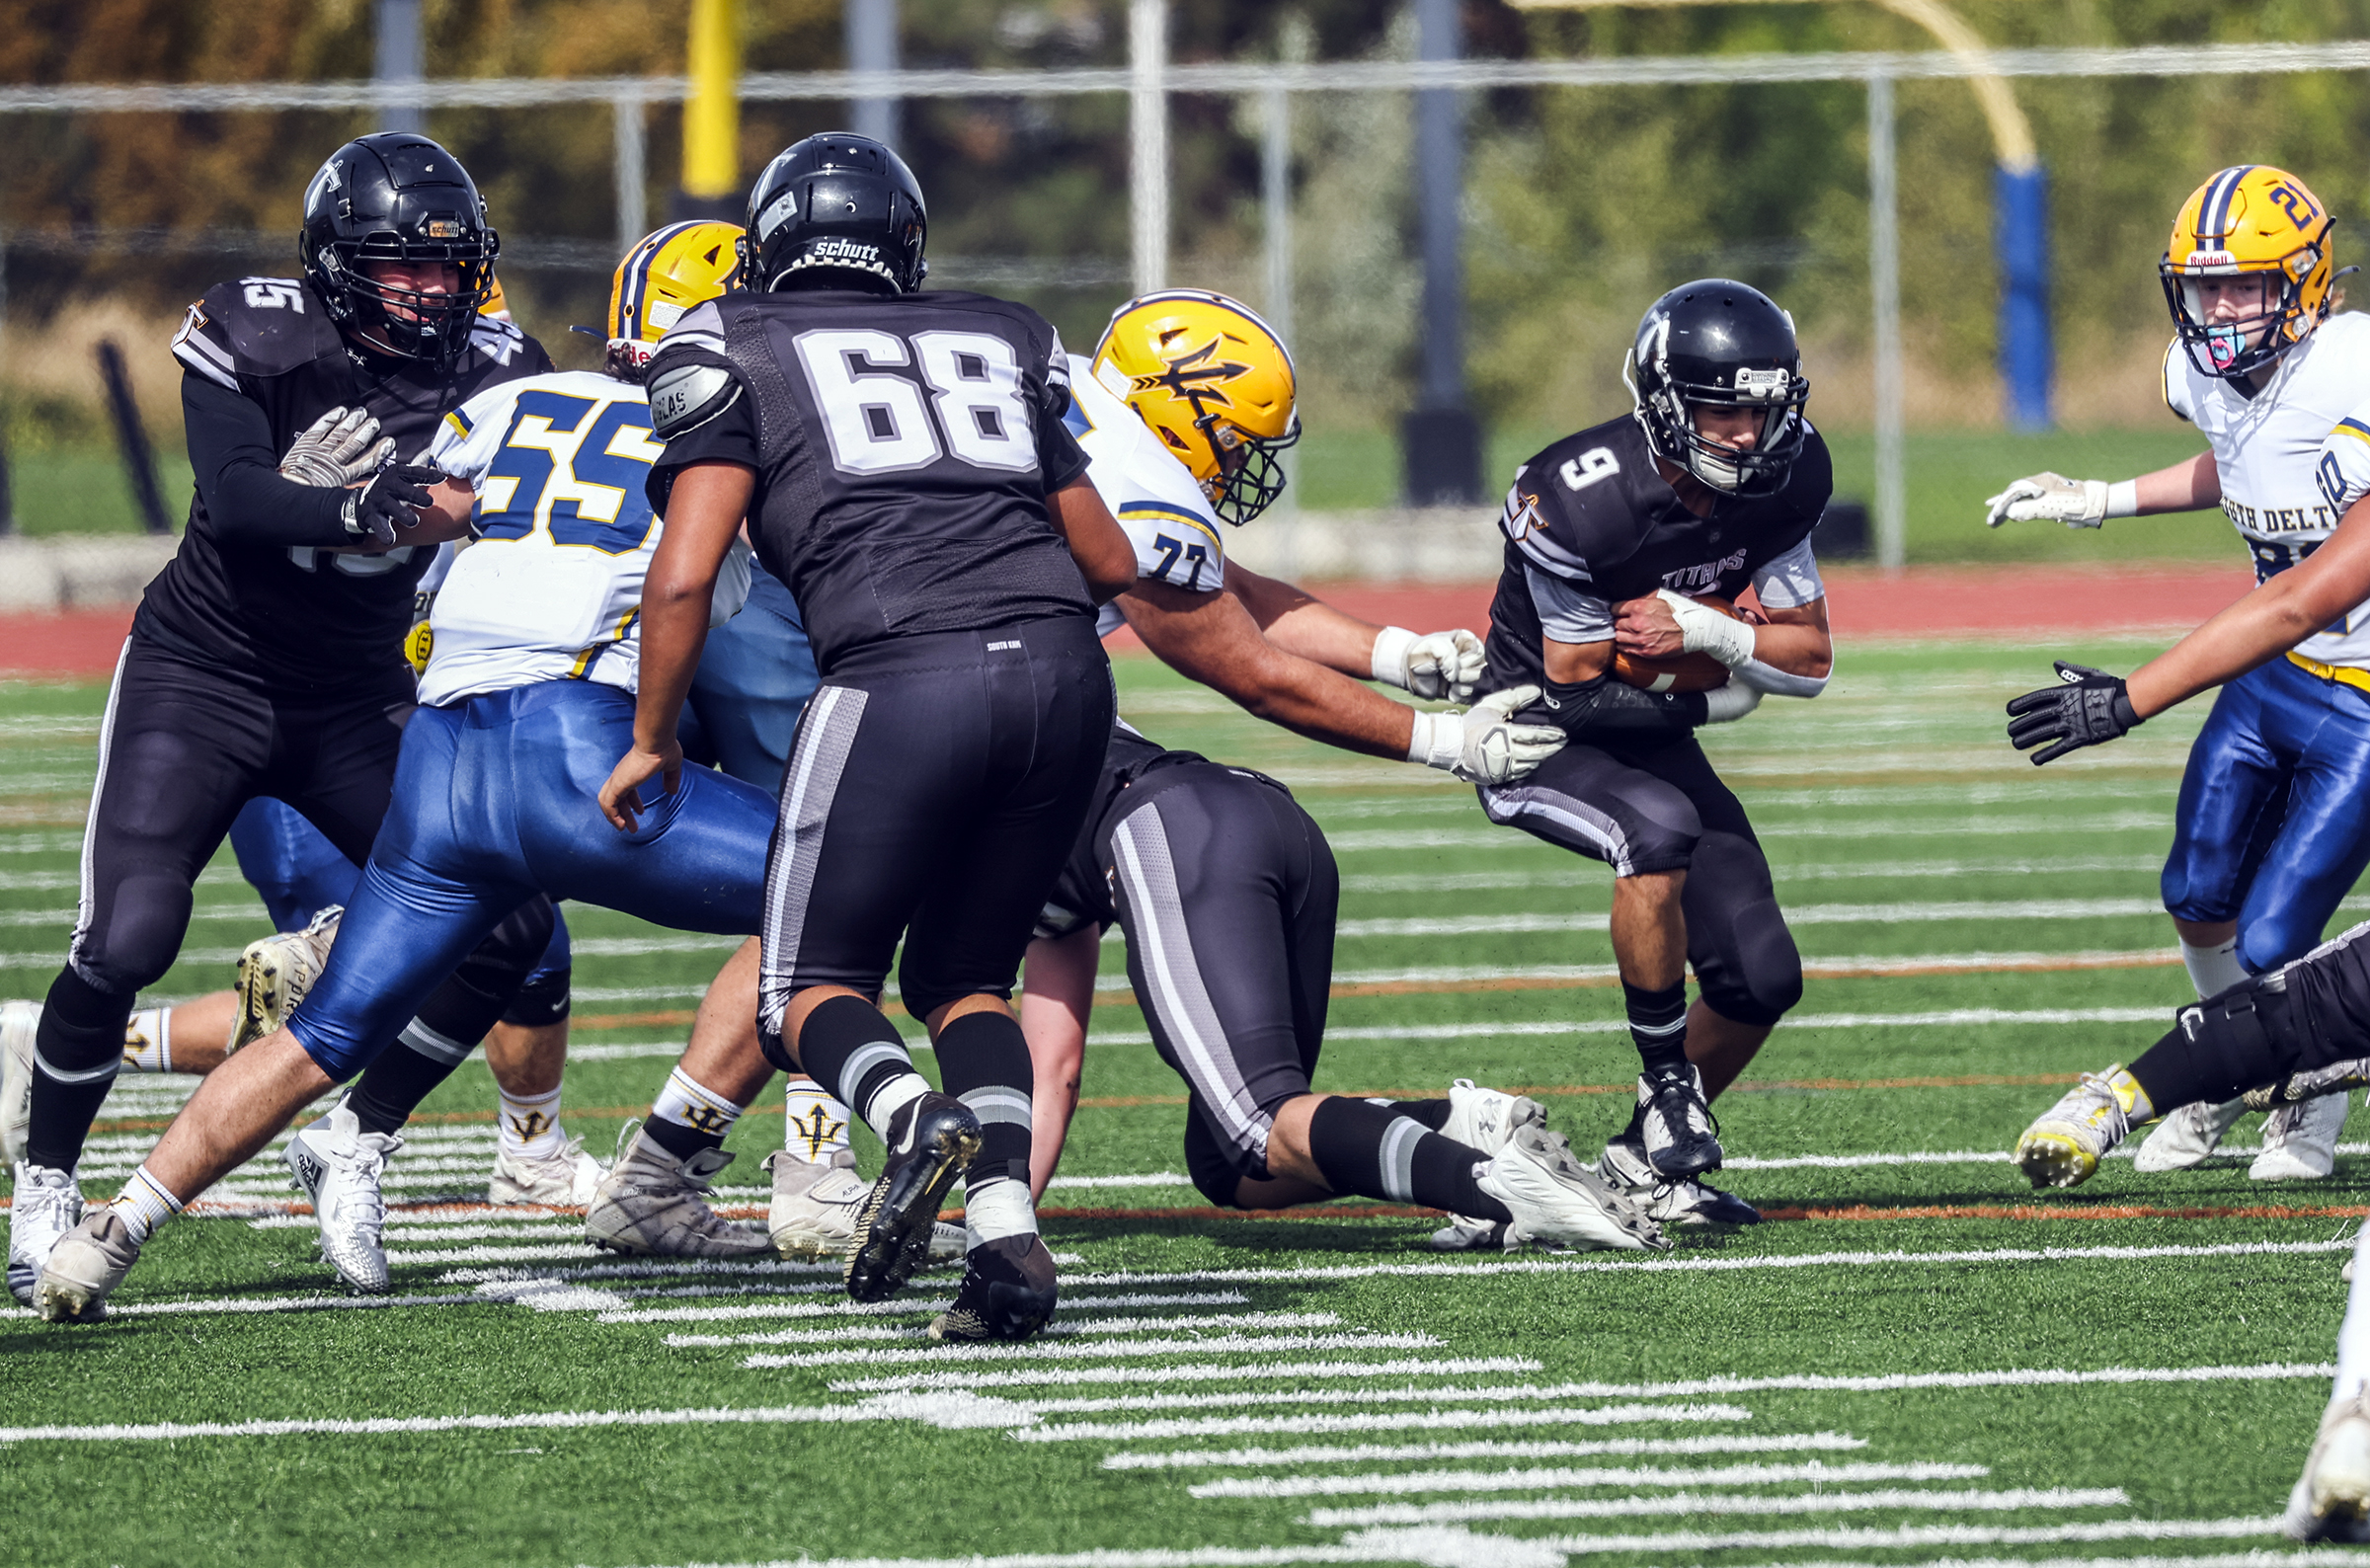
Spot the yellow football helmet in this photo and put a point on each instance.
(495, 306)
(664, 279)
(1214, 383)
(2250, 220)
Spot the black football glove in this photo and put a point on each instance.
(2086, 708)
(393, 497)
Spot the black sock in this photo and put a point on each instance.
(392, 1087)
(1365, 1150)
(680, 1139)
(1658, 1023)
(850, 1048)
(451, 1022)
(78, 1049)
(1434, 1114)
(984, 1061)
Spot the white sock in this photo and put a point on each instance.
(893, 1097)
(999, 1208)
(531, 1126)
(2354, 1339)
(2214, 970)
(143, 1205)
(686, 1102)
(148, 1041)
(814, 1129)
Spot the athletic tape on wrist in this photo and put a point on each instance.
(1390, 661)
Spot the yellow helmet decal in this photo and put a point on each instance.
(495, 305)
(2248, 221)
(1213, 383)
(666, 277)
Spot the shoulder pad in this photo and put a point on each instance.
(266, 326)
(684, 397)
(499, 342)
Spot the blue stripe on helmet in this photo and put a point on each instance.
(2213, 214)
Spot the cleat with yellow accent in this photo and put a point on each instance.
(276, 971)
(2064, 1147)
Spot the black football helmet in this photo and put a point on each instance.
(835, 211)
(396, 196)
(1721, 342)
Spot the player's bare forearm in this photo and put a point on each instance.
(1096, 541)
(1298, 622)
(2310, 595)
(1795, 641)
(1211, 638)
(1055, 1002)
(1571, 663)
(2191, 485)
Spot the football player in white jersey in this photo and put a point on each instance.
(2268, 835)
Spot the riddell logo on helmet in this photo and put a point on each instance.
(832, 249)
(2212, 258)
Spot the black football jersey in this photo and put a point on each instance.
(903, 448)
(298, 614)
(1593, 512)
(1082, 895)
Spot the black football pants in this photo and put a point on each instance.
(2303, 1016)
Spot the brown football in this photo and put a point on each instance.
(1682, 671)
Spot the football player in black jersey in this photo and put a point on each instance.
(266, 657)
(903, 466)
(1709, 486)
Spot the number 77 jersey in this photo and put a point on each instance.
(903, 449)
(552, 587)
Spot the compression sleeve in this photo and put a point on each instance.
(1607, 707)
(237, 469)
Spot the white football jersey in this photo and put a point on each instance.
(2269, 450)
(551, 589)
(1155, 498)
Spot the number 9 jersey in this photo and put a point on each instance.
(552, 587)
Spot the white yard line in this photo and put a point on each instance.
(1214, 1345)
(1682, 1543)
(1273, 1371)
(913, 1332)
(1530, 1449)
(1358, 841)
(401, 1256)
(1563, 874)
(760, 1309)
(1380, 1421)
(903, 1306)
(1908, 912)
(2010, 1500)
(1542, 1479)
(1817, 967)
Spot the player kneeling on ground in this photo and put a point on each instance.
(527, 698)
(1711, 484)
(1227, 894)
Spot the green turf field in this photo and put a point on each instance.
(1913, 1359)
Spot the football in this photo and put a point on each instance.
(1679, 672)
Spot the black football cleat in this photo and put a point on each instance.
(929, 1142)
(1682, 1139)
(1009, 1292)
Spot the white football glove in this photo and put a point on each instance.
(1484, 745)
(1437, 667)
(1704, 630)
(341, 446)
(2050, 498)
(1729, 703)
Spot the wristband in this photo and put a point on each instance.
(1436, 739)
(2123, 499)
(1389, 663)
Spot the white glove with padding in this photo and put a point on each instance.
(1437, 667)
(341, 447)
(1484, 745)
(2050, 498)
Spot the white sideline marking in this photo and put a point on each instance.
(2258, 1558)
(950, 1410)
(1919, 912)
(1881, 1538)
(1535, 1448)
(1383, 1421)
(1815, 968)
(646, 1269)
(701, 1314)
(914, 1331)
(894, 1307)
(569, 1228)
(1158, 1178)
(553, 1251)
(1214, 1344)
(273, 1303)
(1273, 1486)
(1603, 1026)
(2015, 1499)
(1559, 874)
(1705, 1265)
(1071, 1377)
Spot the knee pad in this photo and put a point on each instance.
(1756, 976)
(1212, 1165)
(541, 1003)
(142, 936)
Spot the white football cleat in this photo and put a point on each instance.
(2184, 1139)
(1682, 1139)
(653, 1204)
(2300, 1141)
(2331, 1499)
(338, 1166)
(813, 1210)
(18, 1022)
(1463, 1233)
(1489, 1119)
(47, 1204)
(1689, 1204)
(565, 1179)
(84, 1268)
(274, 973)
(1555, 1198)
(2064, 1146)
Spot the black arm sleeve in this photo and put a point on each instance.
(1059, 457)
(239, 479)
(1605, 706)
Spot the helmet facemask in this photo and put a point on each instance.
(1250, 468)
(2229, 350)
(1668, 412)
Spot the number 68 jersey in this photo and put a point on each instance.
(552, 587)
(903, 449)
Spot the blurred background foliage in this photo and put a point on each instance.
(1582, 204)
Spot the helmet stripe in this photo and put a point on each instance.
(2213, 214)
(637, 280)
